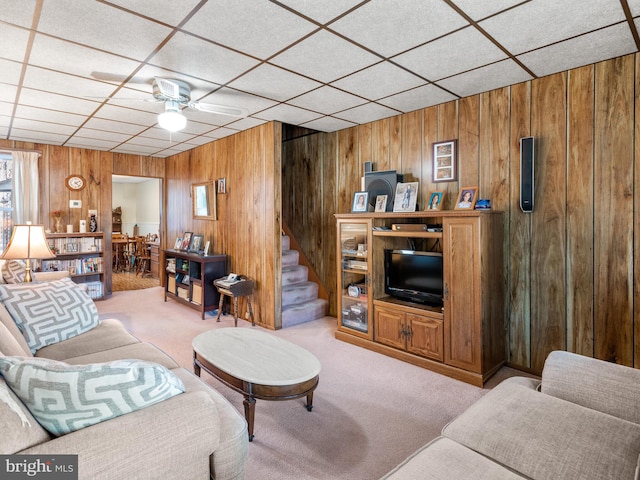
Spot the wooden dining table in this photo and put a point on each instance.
(120, 246)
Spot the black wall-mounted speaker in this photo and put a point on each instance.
(381, 183)
(527, 167)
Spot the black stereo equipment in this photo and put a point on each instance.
(381, 183)
(527, 163)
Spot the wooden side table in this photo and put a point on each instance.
(242, 288)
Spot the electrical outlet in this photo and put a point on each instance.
(93, 212)
(75, 203)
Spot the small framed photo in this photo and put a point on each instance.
(205, 252)
(178, 244)
(381, 203)
(360, 202)
(445, 161)
(406, 196)
(186, 240)
(467, 198)
(196, 243)
(222, 185)
(435, 201)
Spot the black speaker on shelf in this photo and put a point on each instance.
(527, 167)
(381, 183)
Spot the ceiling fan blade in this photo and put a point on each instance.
(219, 109)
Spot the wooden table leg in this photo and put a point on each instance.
(220, 307)
(309, 404)
(253, 323)
(249, 414)
(235, 310)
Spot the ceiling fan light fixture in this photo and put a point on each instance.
(172, 118)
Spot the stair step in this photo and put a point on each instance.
(303, 312)
(290, 257)
(298, 293)
(294, 274)
(286, 242)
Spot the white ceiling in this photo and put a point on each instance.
(75, 73)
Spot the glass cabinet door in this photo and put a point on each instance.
(353, 277)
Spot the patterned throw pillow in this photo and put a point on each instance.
(13, 271)
(47, 313)
(65, 398)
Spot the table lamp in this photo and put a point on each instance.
(27, 242)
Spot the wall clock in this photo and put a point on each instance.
(75, 182)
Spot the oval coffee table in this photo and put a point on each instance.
(257, 365)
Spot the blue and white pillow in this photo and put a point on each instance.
(64, 398)
(47, 313)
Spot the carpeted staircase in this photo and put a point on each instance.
(300, 302)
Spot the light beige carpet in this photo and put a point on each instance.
(370, 411)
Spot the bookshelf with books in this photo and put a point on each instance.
(82, 255)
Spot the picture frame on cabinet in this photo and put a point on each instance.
(206, 248)
(445, 161)
(360, 202)
(435, 201)
(178, 244)
(406, 197)
(195, 245)
(186, 240)
(466, 198)
(381, 203)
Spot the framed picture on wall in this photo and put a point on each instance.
(445, 161)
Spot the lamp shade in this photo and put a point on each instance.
(172, 118)
(27, 241)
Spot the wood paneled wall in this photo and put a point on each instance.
(56, 163)
(573, 265)
(249, 214)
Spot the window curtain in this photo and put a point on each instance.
(25, 188)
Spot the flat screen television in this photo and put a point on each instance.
(414, 276)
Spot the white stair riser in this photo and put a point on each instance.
(298, 293)
(302, 313)
(286, 242)
(294, 274)
(290, 257)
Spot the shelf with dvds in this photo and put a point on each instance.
(82, 255)
(189, 278)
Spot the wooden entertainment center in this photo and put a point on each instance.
(465, 339)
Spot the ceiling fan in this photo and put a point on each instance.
(176, 95)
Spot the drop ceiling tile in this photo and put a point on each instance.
(93, 26)
(113, 126)
(53, 101)
(235, 127)
(417, 98)
(112, 112)
(46, 80)
(591, 48)
(19, 13)
(102, 135)
(288, 114)
(198, 141)
(10, 72)
(328, 124)
(36, 125)
(14, 42)
(143, 81)
(497, 75)
(184, 53)
(325, 57)
(273, 82)
(377, 81)
(271, 29)
(52, 116)
(37, 136)
(235, 98)
(634, 6)
(327, 100)
(367, 113)
(479, 10)
(136, 149)
(8, 93)
(75, 59)
(165, 11)
(389, 27)
(455, 53)
(543, 22)
(5, 120)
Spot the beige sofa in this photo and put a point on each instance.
(196, 435)
(581, 421)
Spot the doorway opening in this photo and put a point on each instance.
(136, 206)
